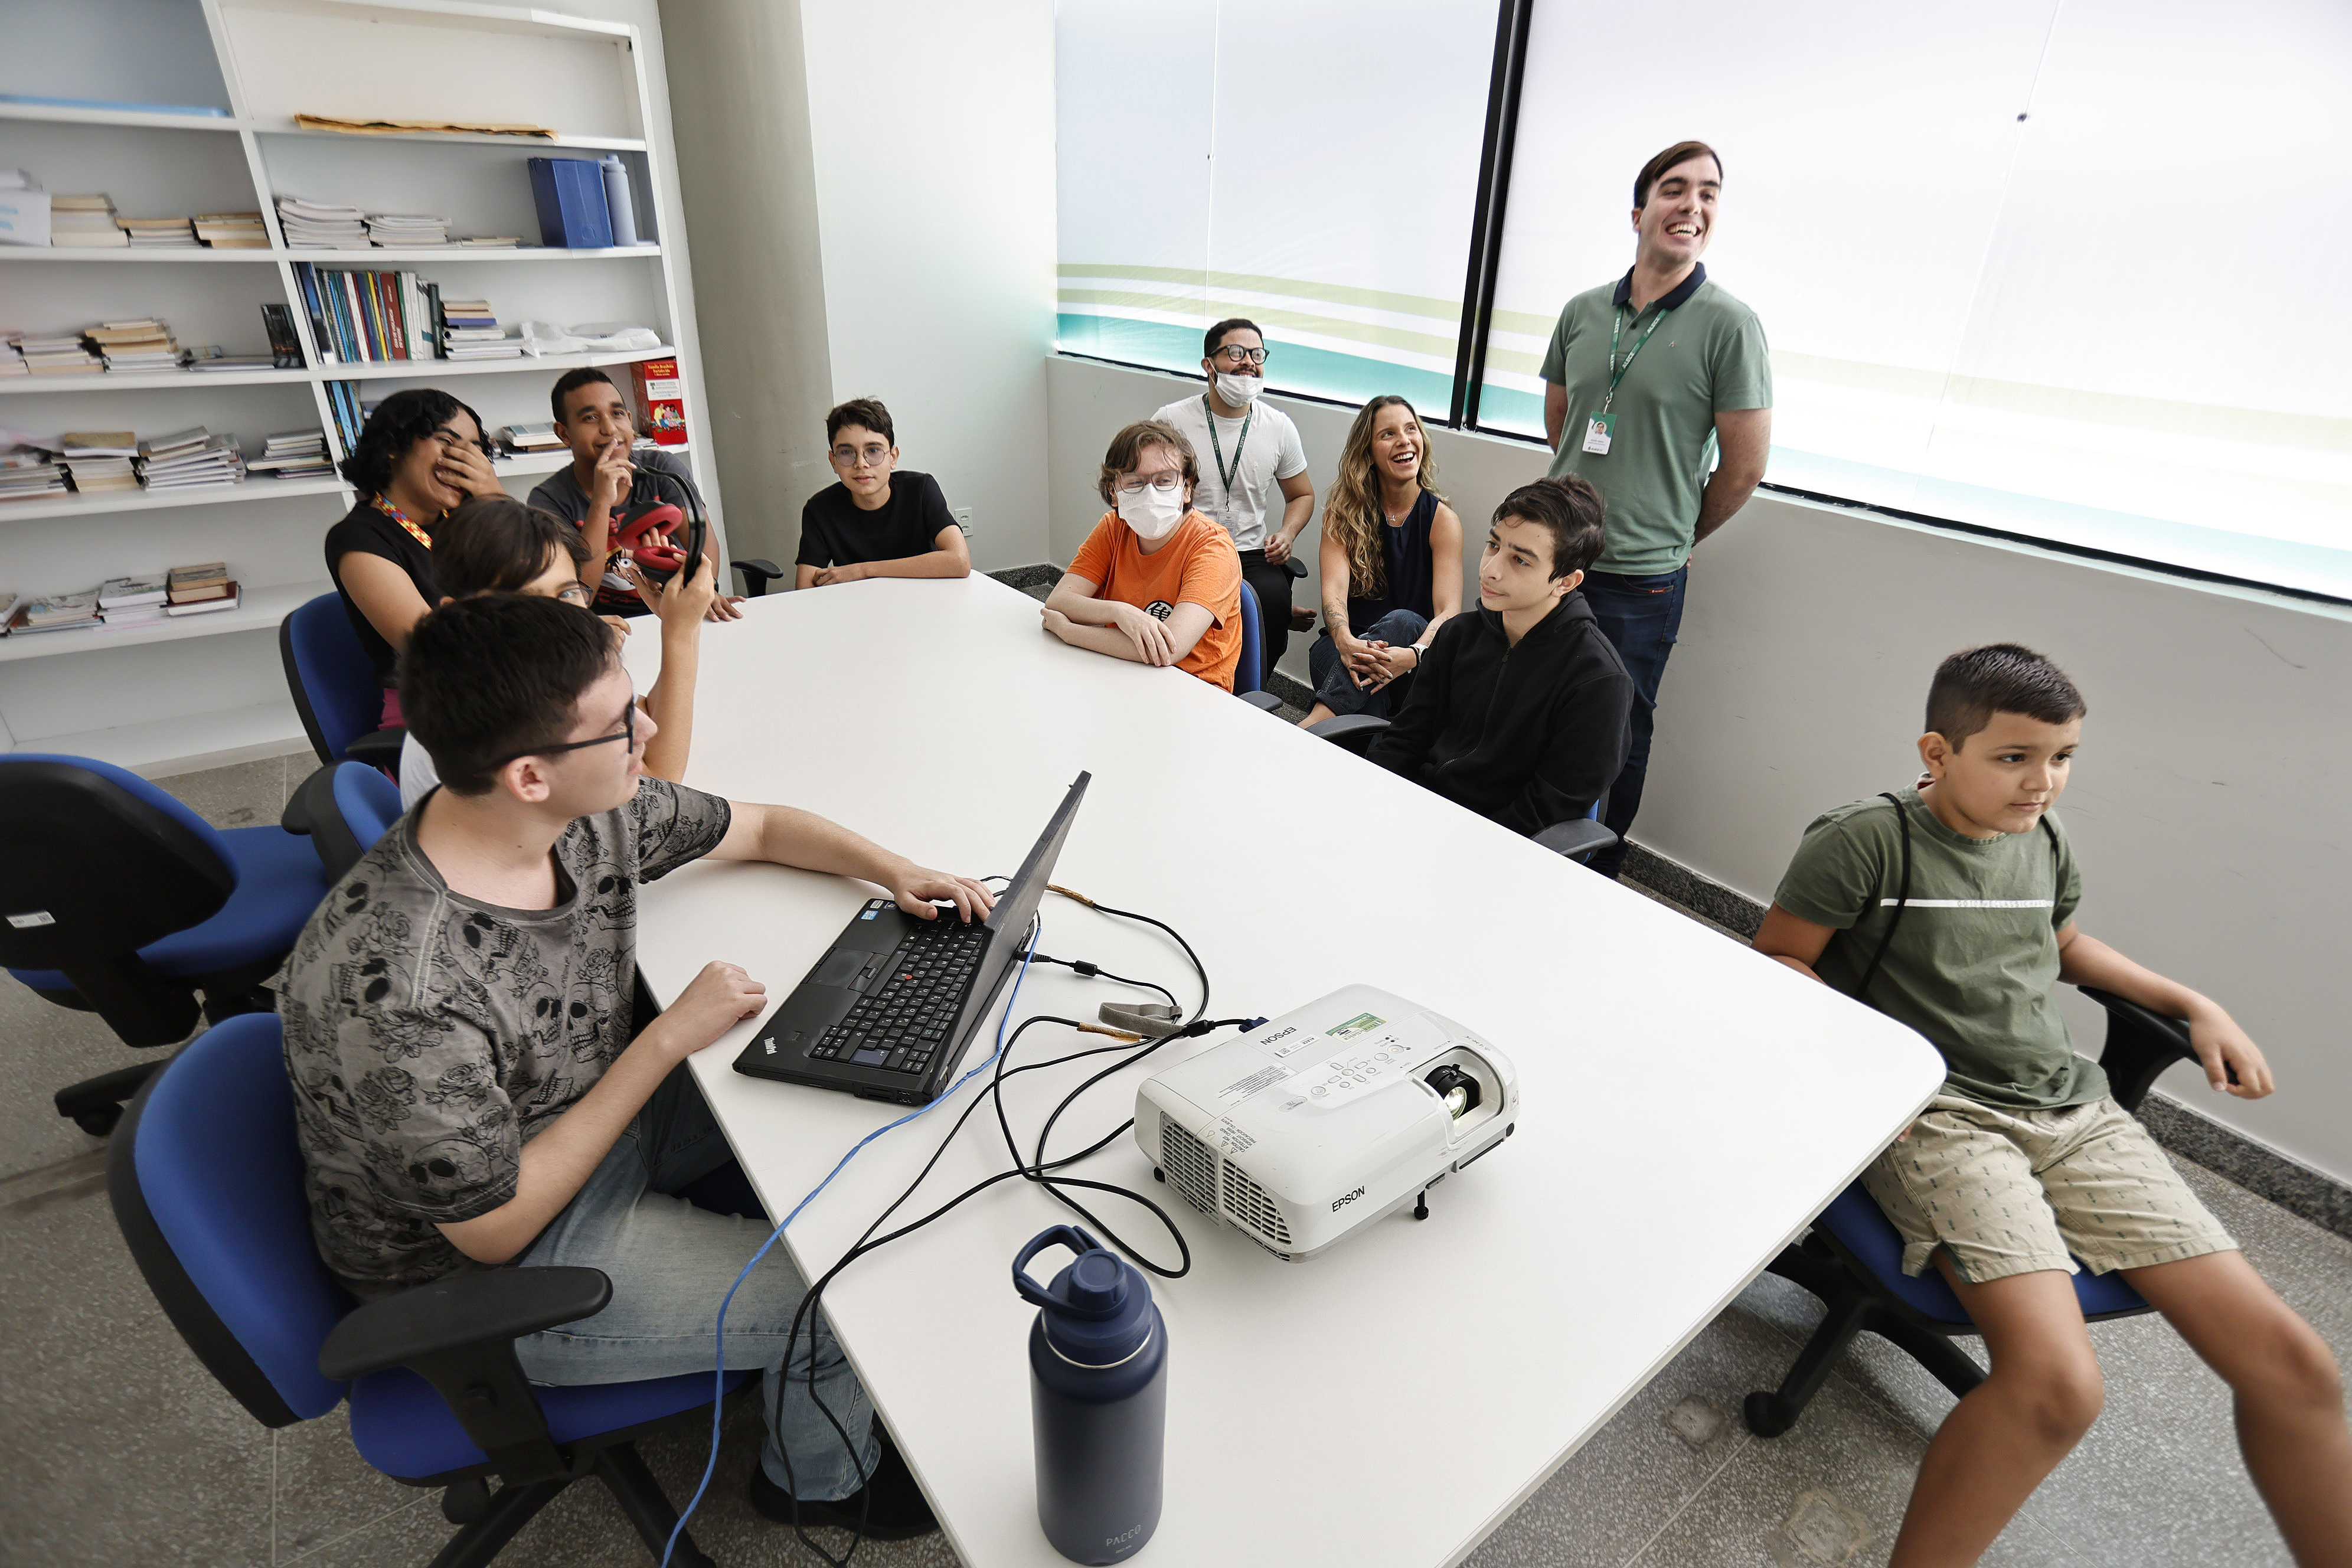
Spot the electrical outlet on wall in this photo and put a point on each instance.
(963, 519)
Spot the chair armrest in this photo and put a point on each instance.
(377, 749)
(1575, 838)
(1264, 701)
(757, 575)
(1295, 567)
(2140, 1046)
(458, 1334)
(1352, 731)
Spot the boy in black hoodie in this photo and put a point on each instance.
(1519, 711)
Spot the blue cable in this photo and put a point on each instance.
(718, 1377)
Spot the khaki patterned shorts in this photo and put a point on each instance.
(2013, 1192)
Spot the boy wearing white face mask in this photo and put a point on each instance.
(1255, 482)
(1156, 581)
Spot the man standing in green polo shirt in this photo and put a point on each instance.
(1651, 382)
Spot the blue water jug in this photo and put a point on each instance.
(1099, 1394)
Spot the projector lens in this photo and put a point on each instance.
(1457, 1089)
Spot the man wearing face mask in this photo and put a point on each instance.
(1255, 459)
(1156, 581)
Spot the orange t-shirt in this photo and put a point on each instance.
(1198, 565)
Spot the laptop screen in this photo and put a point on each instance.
(1010, 919)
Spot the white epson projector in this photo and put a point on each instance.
(1325, 1119)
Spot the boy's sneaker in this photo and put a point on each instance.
(892, 1503)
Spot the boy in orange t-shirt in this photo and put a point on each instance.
(1156, 581)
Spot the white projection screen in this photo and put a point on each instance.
(2032, 265)
(1311, 164)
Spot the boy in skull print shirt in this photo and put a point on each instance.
(430, 1035)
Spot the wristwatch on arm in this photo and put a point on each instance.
(1420, 652)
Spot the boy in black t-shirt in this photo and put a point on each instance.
(879, 521)
(608, 487)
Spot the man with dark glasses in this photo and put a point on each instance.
(470, 1083)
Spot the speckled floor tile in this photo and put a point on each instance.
(47, 1048)
(116, 1447)
(247, 795)
(325, 1492)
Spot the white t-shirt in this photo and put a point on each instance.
(1272, 454)
(417, 777)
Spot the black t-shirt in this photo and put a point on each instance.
(833, 533)
(364, 530)
(661, 480)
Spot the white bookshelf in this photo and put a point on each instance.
(218, 692)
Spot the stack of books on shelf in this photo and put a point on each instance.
(199, 590)
(406, 231)
(11, 361)
(29, 475)
(58, 356)
(53, 612)
(294, 455)
(470, 332)
(358, 317)
(321, 225)
(540, 437)
(212, 357)
(232, 231)
(84, 223)
(488, 242)
(133, 601)
(100, 461)
(132, 346)
(191, 459)
(158, 233)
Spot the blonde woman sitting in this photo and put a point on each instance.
(1392, 562)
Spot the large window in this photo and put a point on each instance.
(2066, 268)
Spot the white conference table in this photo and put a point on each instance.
(1688, 1106)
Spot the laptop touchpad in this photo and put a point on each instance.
(840, 967)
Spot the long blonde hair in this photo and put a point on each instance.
(1353, 515)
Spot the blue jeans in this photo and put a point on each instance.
(670, 1264)
(1398, 628)
(1642, 616)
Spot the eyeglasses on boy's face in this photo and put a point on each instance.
(872, 455)
(1235, 355)
(1166, 481)
(627, 733)
(577, 592)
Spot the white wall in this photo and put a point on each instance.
(933, 127)
(2206, 801)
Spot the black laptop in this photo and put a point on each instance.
(888, 1013)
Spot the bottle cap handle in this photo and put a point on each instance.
(1067, 1236)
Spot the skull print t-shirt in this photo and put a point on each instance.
(430, 1037)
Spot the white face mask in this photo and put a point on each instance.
(1153, 514)
(1239, 391)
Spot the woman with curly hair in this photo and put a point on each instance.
(1392, 560)
(420, 454)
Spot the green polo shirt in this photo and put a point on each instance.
(1708, 356)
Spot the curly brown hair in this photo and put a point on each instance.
(1353, 515)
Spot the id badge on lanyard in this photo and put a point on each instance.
(1601, 429)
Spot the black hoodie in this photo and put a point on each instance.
(1529, 736)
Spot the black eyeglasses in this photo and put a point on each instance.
(628, 733)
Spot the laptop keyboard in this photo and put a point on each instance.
(910, 1010)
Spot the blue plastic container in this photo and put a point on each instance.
(1098, 1397)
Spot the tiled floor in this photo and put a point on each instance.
(117, 1448)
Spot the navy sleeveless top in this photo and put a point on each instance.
(1407, 579)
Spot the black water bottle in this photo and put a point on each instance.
(1099, 1391)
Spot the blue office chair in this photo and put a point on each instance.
(205, 1177)
(1249, 675)
(1578, 839)
(335, 685)
(344, 808)
(126, 904)
(1852, 1257)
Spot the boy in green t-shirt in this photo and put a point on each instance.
(2023, 1158)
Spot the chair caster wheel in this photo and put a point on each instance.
(99, 1124)
(466, 1501)
(1766, 1415)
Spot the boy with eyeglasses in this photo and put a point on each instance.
(1256, 484)
(1156, 581)
(876, 520)
(472, 1087)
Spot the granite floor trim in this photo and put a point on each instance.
(1027, 577)
(2298, 1188)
